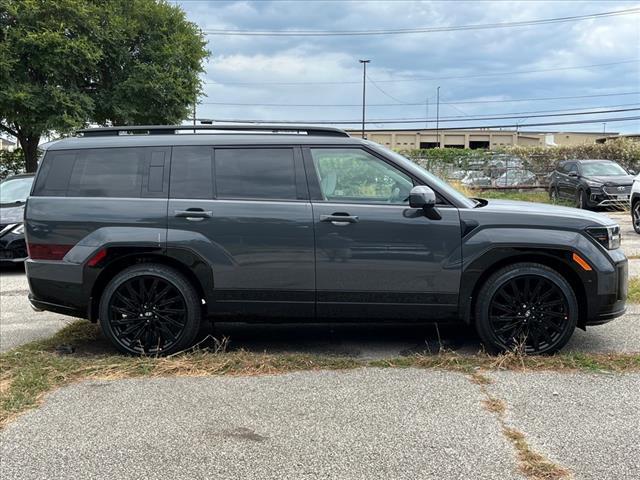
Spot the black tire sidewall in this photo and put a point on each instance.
(633, 216)
(497, 280)
(192, 303)
(581, 200)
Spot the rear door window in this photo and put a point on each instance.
(255, 173)
(192, 172)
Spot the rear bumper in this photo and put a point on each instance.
(58, 287)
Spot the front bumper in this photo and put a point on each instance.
(13, 248)
(603, 199)
(610, 301)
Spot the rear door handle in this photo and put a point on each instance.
(195, 214)
(339, 218)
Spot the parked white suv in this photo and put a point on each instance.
(635, 203)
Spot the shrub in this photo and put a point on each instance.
(11, 163)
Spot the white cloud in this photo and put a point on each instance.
(238, 59)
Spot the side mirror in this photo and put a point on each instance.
(573, 174)
(632, 172)
(422, 197)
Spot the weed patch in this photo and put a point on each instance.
(27, 373)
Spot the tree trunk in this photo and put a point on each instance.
(29, 146)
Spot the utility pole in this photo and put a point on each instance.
(426, 118)
(438, 117)
(364, 92)
(194, 115)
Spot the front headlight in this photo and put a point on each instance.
(19, 230)
(609, 237)
(594, 184)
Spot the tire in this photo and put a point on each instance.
(150, 309)
(635, 215)
(582, 201)
(526, 304)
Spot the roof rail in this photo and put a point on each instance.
(240, 128)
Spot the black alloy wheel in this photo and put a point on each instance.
(150, 310)
(635, 215)
(526, 307)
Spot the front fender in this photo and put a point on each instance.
(486, 250)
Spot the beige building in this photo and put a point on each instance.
(488, 139)
(7, 145)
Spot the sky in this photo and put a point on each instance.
(310, 79)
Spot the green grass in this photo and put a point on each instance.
(525, 196)
(27, 373)
(634, 290)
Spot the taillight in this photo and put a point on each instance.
(42, 251)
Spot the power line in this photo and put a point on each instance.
(388, 95)
(404, 31)
(462, 102)
(447, 119)
(420, 79)
(570, 111)
(574, 122)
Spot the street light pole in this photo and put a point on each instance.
(438, 117)
(364, 91)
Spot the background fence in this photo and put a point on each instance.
(518, 167)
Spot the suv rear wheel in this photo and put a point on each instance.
(150, 309)
(526, 306)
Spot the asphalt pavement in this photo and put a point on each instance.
(362, 424)
(19, 324)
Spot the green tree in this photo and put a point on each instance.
(67, 63)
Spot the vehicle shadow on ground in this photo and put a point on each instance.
(358, 340)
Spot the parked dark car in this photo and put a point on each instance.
(152, 234)
(13, 196)
(591, 183)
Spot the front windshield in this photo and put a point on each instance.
(14, 190)
(602, 169)
(434, 181)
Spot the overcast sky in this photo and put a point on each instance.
(252, 69)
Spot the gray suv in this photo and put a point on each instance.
(152, 230)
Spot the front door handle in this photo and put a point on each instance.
(339, 218)
(193, 214)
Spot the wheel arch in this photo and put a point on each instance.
(188, 263)
(480, 270)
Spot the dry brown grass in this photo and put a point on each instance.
(29, 372)
(532, 464)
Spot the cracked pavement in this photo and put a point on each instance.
(360, 424)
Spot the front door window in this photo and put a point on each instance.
(355, 176)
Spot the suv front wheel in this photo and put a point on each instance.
(150, 309)
(528, 307)
(635, 215)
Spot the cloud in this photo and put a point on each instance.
(466, 54)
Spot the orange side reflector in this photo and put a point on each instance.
(582, 262)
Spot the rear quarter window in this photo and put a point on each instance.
(102, 172)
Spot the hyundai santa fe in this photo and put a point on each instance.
(152, 230)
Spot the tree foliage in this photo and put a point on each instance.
(67, 63)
